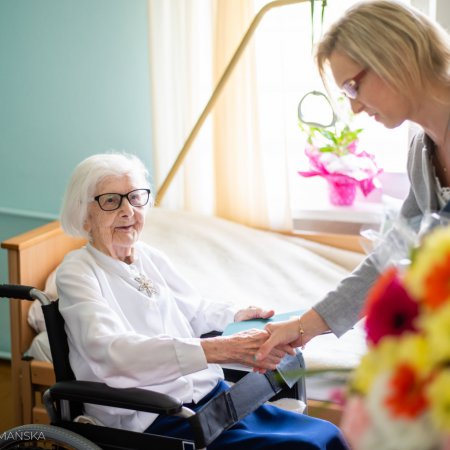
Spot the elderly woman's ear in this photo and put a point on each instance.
(87, 226)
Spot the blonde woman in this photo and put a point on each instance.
(392, 63)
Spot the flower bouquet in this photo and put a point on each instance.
(400, 393)
(334, 155)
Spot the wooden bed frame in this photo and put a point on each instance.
(32, 256)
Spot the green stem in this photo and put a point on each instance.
(312, 23)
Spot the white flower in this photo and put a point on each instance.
(357, 167)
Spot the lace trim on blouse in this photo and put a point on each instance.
(443, 193)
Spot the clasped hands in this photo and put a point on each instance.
(264, 349)
(243, 347)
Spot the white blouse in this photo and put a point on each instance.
(137, 333)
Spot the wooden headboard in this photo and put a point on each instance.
(32, 256)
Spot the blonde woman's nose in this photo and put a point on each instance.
(356, 106)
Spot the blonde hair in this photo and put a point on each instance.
(85, 178)
(397, 42)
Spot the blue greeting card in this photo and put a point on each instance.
(236, 327)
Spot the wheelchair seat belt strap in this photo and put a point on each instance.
(229, 407)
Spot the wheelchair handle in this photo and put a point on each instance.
(23, 292)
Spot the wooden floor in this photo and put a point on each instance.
(5, 396)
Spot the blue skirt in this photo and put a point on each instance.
(267, 428)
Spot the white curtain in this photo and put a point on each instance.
(227, 172)
(181, 82)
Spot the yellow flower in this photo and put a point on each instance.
(427, 277)
(379, 359)
(439, 395)
(413, 349)
(365, 374)
(437, 330)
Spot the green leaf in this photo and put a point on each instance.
(327, 149)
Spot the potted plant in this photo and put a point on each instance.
(334, 154)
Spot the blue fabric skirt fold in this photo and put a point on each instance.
(267, 428)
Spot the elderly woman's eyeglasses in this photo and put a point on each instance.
(112, 201)
(350, 87)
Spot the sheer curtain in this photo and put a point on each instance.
(226, 172)
(180, 34)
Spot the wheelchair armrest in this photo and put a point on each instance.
(127, 398)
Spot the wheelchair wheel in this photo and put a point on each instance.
(34, 437)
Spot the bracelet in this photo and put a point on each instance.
(302, 332)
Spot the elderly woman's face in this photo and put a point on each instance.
(115, 232)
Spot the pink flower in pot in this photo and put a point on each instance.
(334, 156)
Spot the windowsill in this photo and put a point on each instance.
(326, 218)
(338, 226)
(316, 215)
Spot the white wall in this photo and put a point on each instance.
(443, 13)
(438, 9)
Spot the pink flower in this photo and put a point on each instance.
(338, 396)
(445, 445)
(352, 167)
(355, 421)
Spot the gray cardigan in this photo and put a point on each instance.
(341, 308)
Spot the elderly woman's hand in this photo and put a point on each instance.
(253, 312)
(241, 348)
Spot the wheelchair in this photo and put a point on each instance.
(64, 400)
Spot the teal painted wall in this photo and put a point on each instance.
(74, 81)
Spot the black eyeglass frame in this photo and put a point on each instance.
(350, 87)
(122, 196)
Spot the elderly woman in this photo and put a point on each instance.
(132, 321)
(393, 63)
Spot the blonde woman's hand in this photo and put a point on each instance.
(295, 332)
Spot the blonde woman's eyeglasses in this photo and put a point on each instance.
(350, 87)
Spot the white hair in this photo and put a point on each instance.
(85, 178)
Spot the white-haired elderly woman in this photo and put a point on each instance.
(133, 321)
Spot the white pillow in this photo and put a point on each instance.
(35, 314)
(40, 348)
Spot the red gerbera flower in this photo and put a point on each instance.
(389, 308)
(407, 396)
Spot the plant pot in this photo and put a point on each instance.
(341, 193)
